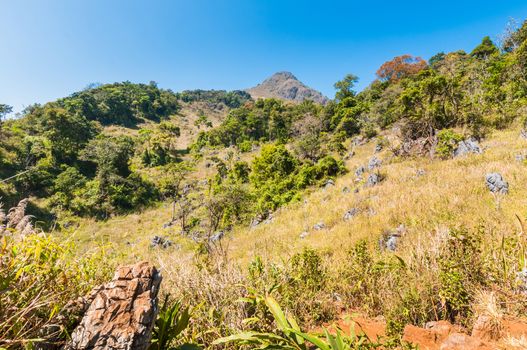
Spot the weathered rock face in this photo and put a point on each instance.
(373, 179)
(284, 85)
(374, 163)
(465, 147)
(496, 183)
(122, 312)
(421, 147)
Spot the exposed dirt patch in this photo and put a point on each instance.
(441, 335)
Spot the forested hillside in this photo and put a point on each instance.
(404, 201)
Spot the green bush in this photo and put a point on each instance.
(245, 146)
(447, 141)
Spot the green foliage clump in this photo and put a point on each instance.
(245, 146)
(447, 141)
(485, 49)
(114, 187)
(232, 99)
(277, 176)
(121, 103)
(158, 145)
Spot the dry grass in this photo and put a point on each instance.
(450, 193)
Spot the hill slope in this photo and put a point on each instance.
(285, 85)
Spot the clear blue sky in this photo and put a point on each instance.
(51, 48)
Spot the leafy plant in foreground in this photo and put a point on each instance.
(171, 322)
(291, 336)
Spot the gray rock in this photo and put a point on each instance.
(217, 236)
(319, 226)
(348, 215)
(158, 241)
(390, 239)
(373, 179)
(256, 221)
(467, 146)
(329, 183)
(187, 188)
(420, 172)
(378, 148)
(374, 163)
(169, 224)
(304, 234)
(360, 170)
(496, 183)
(391, 243)
(262, 218)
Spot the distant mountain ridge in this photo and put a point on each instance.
(284, 85)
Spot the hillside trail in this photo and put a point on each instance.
(443, 335)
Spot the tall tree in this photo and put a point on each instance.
(485, 49)
(400, 67)
(345, 87)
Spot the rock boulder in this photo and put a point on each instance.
(122, 313)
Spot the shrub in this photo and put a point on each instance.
(245, 146)
(447, 141)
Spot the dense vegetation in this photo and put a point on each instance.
(264, 155)
(231, 99)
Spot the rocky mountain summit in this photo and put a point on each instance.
(284, 85)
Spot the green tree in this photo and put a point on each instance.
(485, 49)
(68, 133)
(345, 86)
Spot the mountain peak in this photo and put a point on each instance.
(283, 75)
(284, 85)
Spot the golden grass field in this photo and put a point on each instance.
(450, 193)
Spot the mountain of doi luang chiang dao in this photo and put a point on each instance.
(166, 207)
(284, 85)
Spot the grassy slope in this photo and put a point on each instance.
(451, 193)
(185, 119)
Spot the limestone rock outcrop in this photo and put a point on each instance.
(122, 313)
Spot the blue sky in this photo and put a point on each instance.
(49, 49)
